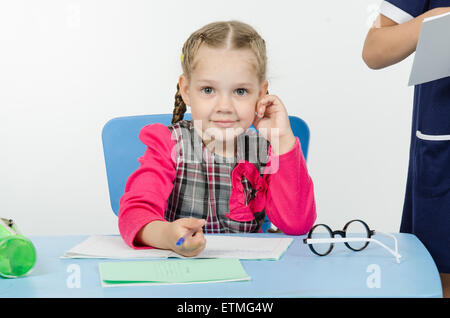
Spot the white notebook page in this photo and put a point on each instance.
(217, 246)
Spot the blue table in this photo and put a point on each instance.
(372, 272)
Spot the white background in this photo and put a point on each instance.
(67, 67)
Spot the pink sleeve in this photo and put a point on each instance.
(290, 203)
(148, 188)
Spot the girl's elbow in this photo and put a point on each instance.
(303, 225)
(308, 222)
(300, 229)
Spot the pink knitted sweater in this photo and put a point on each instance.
(287, 195)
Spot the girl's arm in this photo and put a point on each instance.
(388, 43)
(142, 206)
(290, 203)
(147, 190)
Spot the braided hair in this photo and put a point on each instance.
(180, 107)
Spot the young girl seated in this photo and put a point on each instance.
(213, 174)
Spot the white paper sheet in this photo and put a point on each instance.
(217, 246)
(243, 247)
(431, 61)
(110, 246)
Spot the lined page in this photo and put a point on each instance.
(111, 246)
(222, 246)
(217, 246)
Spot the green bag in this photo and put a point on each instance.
(17, 253)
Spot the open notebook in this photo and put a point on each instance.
(217, 246)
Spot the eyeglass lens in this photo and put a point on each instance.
(324, 232)
(356, 229)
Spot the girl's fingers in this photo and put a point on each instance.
(261, 111)
(256, 120)
(193, 252)
(194, 245)
(265, 104)
(268, 99)
(267, 111)
(196, 240)
(192, 223)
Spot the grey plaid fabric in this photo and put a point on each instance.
(202, 185)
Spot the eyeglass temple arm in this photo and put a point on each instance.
(395, 253)
(391, 236)
(354, 239)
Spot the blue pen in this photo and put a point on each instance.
(182, 239)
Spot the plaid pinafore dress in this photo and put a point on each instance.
(203, 185)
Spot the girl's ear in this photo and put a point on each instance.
(263, 89)
(184, 90)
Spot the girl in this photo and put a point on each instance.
(212, 174)
(426, 211)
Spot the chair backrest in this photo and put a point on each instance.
(122, 147)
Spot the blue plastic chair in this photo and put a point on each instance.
(122, 147)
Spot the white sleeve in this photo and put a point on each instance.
(394, 13)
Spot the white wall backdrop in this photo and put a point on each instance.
(67, 67)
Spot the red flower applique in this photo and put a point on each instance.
(239, 211)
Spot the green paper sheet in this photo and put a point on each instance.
(185, 271)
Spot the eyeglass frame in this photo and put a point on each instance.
(343, 239)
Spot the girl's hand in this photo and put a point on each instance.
(272, 122)
(194, 243)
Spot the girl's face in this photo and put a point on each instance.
(222, 92)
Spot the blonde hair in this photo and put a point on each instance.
(222, 34)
